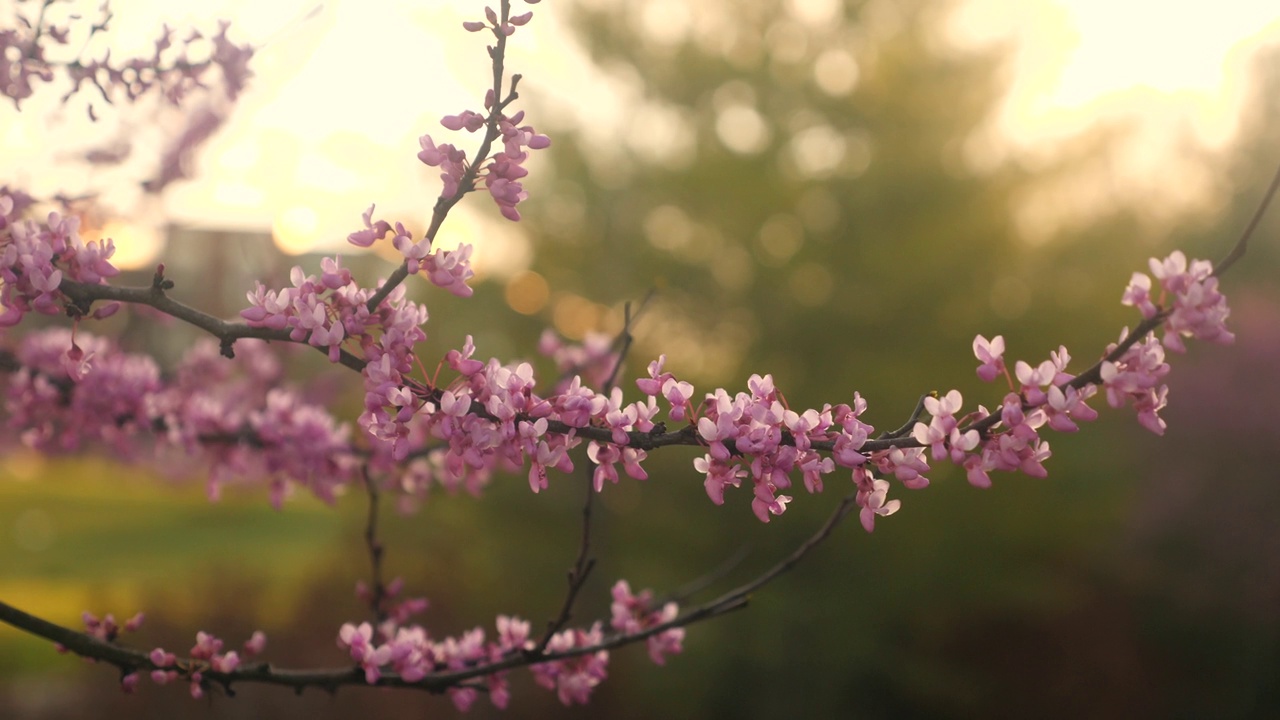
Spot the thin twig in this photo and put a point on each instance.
(911, 421)
(578, 574)
(377, 590)
(697, 585)
(1241, 245)
(623, 342)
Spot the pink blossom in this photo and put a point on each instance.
(255, 644)
(359, 640)
(873, 501)
(162, 658)
(766, 502)
(575, 678)
(634, 614)
(719, 476)
(461, 360)
(1138, 294)
(1063, 408)
(225, 663)
(451, 269)
(651, 385)
(472, 121)
(452, 161)
(907, 464)
(372, 231)
(1034, 379)
(206, 646)
(989, 353)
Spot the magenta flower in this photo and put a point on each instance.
(875, 503)
(255, 644)
(372, 231)
(989, 353)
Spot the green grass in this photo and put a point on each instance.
(81, 534)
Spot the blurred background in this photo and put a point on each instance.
(840, 193)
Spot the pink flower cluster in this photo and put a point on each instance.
(750, 427)
(171, 70)
(34, 259)
(412, 654)
(594, 359)
(1048, 395)
(106, 629)
(492, 417)
(234, 415)
(575, 678)
(633, 614)
(1199, 310)
(75, 390)
(505, 169)
(500, 27)
(449, 269)
(332, 310)
(205, 656)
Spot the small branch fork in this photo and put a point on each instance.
(584, 564)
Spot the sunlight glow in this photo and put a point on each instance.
(1170, 77)
(294, 231)
(137, 246)
(330, 125)
(527, 292)
(1079, 60)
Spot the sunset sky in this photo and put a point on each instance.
(330, 122)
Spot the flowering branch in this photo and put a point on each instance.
(81, 296)
(131, 661)
(68, 389)
(459, 175)
(172, 73)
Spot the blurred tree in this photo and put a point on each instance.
(805, 195)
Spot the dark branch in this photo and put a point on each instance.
(911, 421)
(129, 660)
(82, 296)
(377, 590)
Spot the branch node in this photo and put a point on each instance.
(159, 282)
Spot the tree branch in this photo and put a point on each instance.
(83, 296)
(129, 660)
(377, 590)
